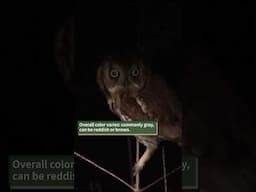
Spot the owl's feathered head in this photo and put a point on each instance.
(126, 73)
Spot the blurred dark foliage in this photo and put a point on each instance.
(202, 49)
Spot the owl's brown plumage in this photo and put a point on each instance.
(133, 92)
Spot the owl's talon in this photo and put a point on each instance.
(111, 105)
(136, 169)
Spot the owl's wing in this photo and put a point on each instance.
(129, 107)
(99, 79)
(160, 103)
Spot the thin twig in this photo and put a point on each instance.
(129, 143)
(160, 179)
(137, 183)
(103, 169)
(164, 169)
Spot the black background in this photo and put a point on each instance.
(42, 113)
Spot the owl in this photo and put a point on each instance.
(134, 92)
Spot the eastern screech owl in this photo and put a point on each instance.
(133, 92)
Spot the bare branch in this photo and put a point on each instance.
(103, 169)
(161, 178)
(137, 183)
(164, 169)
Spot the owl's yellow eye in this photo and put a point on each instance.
(135, 72)
(114, 73)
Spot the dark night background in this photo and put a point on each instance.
(178, 38)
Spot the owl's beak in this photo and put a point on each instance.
(116, 90)
(126, 85)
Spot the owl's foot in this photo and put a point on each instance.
(111, 105)
(137, 168)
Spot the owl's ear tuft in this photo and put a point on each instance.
(106, 59)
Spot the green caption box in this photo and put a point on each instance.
(41, 172)
(57, 172)
(117, 128)
(189, 172)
